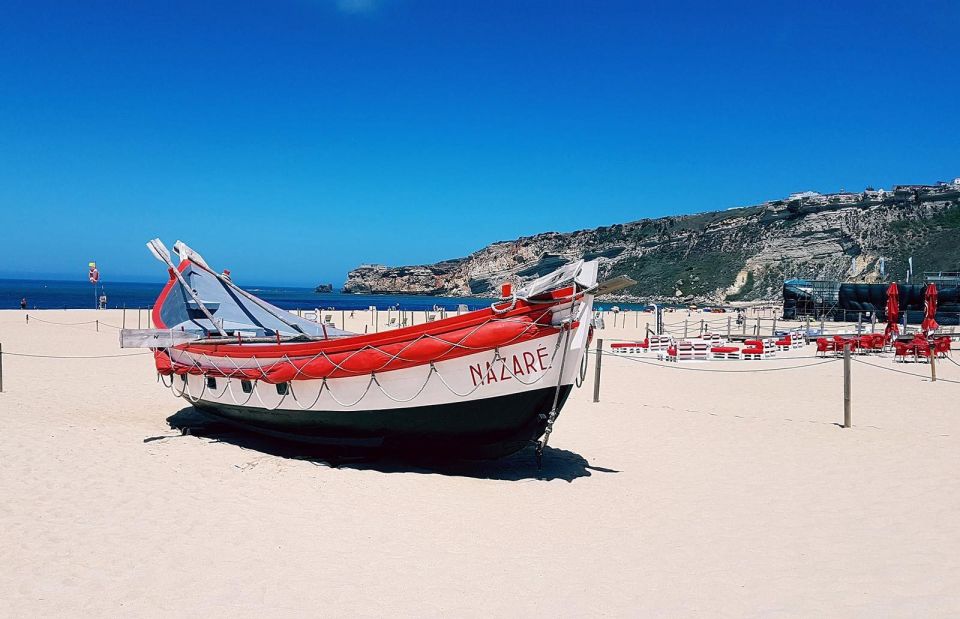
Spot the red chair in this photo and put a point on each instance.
(785, 343)
(824, 346)
(840, 343)
(900, 350)
(941, 346)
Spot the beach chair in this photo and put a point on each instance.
(701, 351)
(798, 339)
(628, 348)
(657, 343)
(785, 343)
(681, 351)
(724, 352)
(713, 339)
(759, 349)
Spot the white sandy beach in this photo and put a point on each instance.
(682, 493)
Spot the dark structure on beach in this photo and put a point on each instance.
(834, 300)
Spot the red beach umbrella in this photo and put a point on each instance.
(893, 310)
(929, 324)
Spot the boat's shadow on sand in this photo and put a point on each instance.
(557, 463)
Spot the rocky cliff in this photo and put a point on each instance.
(738, 254)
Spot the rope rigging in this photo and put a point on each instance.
(185, 391)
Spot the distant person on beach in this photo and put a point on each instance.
(23, 303)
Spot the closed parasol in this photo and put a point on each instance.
(929, 324)
(893, 311)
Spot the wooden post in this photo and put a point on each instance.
(729, 320)
(933, 360)
(822, 325)
(636, 320)
(773, 329)
(757, 329)
(684, 328)
(124, 323)
(149, 318)
(807, 333)
(846, 386)
(596, 375)
(1, 368)
(138, 317)
(98, 325)
(701, 327)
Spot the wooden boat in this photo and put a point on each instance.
(481, 384)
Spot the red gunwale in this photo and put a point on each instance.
(157, 322)
(348, 344)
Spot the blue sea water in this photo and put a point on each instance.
(56, 294)
(61, 294)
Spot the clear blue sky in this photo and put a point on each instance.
(293, 139)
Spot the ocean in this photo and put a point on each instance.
(60, 294)
(54, 294)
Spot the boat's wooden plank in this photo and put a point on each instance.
(154, 338)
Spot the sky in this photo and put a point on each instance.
(291, 140)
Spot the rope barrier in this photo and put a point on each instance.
(924, 376)
(23, 354)
(679, 367)
(73, 324)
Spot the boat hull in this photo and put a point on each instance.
(478, 428)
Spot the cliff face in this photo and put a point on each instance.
(738, 254)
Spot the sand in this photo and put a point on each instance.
(681, 493)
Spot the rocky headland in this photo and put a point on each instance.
(740, 254)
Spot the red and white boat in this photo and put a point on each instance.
(482, 384)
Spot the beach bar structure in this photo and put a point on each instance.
(816, 299)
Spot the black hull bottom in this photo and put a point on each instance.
(486, 428)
